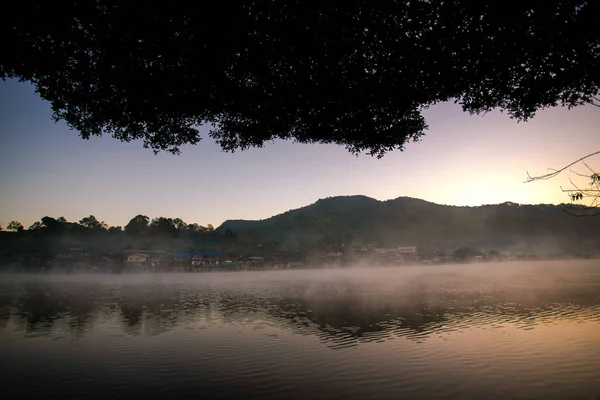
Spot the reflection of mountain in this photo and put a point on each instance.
(354, 317)
(349, 312)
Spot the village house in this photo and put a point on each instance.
(137, 258)
(152, 259)
(205, 257)
(73, 253)
(257, 261)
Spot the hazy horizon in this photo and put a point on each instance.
(300, 207)
(463, 160)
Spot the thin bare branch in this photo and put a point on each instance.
(589, 194)
(577, 190)
(574, 185)
(588, 167)
(558, 171)
(580, 194)
(582, 175)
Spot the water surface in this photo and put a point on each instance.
(503, 331)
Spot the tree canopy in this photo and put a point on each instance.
(357, 74)
(137, 224)
(92, 223)
(15, 226)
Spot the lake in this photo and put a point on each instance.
(490, 331)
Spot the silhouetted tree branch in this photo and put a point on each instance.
(555, 172)
(578, 193)
(595, 101)
(357, 74)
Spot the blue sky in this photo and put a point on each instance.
(46, 169)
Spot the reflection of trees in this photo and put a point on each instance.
(39, 307)
(149, 309)
(340, 311)
(131, 307)
(81, 312)
(5, 308)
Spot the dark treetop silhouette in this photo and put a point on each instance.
(357, 73)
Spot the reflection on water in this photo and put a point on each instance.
(520, 330)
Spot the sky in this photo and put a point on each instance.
(47, 169)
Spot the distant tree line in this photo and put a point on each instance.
(333, 225)
(138, 225)
(53, 235)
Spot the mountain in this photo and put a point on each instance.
(360, 220)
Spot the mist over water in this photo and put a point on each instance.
(506, 330)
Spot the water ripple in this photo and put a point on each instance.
(429, 333)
